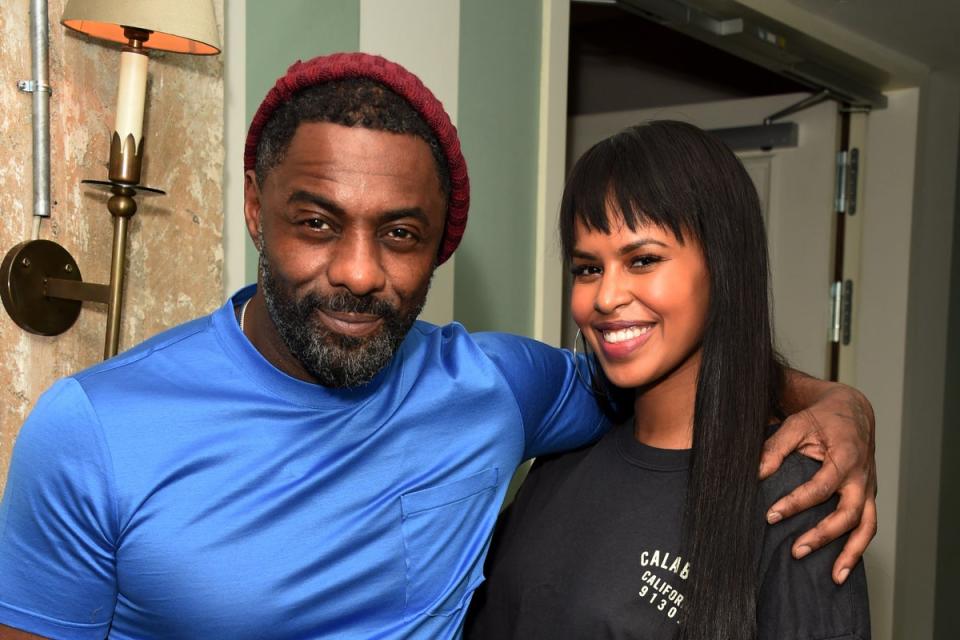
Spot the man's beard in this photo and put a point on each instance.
(333, 359)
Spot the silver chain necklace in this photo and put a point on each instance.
(243, 314)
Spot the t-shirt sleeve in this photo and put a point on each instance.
(559, 411)
(58, 522)
(798, 598)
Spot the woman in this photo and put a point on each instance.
(657, 530)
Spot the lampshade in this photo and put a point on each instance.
(181, 26)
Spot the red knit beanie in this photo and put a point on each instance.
(340, 66)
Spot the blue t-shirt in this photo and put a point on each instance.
(189, 489)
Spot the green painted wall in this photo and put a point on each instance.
(497, 117)
(281, 31)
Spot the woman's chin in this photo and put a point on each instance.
(627, 377)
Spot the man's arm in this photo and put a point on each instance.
(833, 423)
(57, 522)
(559, 410)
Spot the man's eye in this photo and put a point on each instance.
(401, 234)
(318, 224)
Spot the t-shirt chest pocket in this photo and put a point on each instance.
(443, 542)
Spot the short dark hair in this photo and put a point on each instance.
(686, 181)
(352, 102)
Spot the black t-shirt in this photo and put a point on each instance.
(591, 549)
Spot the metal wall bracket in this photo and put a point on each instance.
(25, 274)
(846, 313)
(40, 283)
(30, 86)
(841, 312)
(848, 169)
(806, 103)
(762, 136)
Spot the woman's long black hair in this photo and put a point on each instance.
(684, 180)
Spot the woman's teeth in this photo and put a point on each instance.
(620, 335)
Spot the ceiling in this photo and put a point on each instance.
(621, 60)
(925, 30)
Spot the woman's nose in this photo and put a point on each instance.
(612, 293)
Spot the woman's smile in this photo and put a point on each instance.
(618, 340)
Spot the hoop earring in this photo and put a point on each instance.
(594, 383)
(576, 359)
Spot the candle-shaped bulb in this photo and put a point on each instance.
(126, 146)
(132, 94)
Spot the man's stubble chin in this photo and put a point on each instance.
(332, 359)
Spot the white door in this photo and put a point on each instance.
(796, 189)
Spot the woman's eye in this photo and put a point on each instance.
(584, 270)
(645, 261)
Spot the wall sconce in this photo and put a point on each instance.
(40, 282)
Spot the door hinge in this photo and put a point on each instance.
(848, 166)
(841, 311)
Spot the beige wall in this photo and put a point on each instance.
(888, 187)
(925, 357)
(175, 257)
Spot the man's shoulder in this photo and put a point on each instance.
(177, 343)
(454, 331)
(453, 340)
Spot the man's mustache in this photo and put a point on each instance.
(346, 302)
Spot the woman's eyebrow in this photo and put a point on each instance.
(624, 250)
(633, 246)
(583, 255)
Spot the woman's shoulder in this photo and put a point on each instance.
(794, 471)
(798, 598)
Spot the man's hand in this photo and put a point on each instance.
(834, 424)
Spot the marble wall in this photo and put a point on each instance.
(175, 254)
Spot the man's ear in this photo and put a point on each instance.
(252, 206)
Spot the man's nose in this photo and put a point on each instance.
(356, 266)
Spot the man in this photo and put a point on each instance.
(308, 461)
